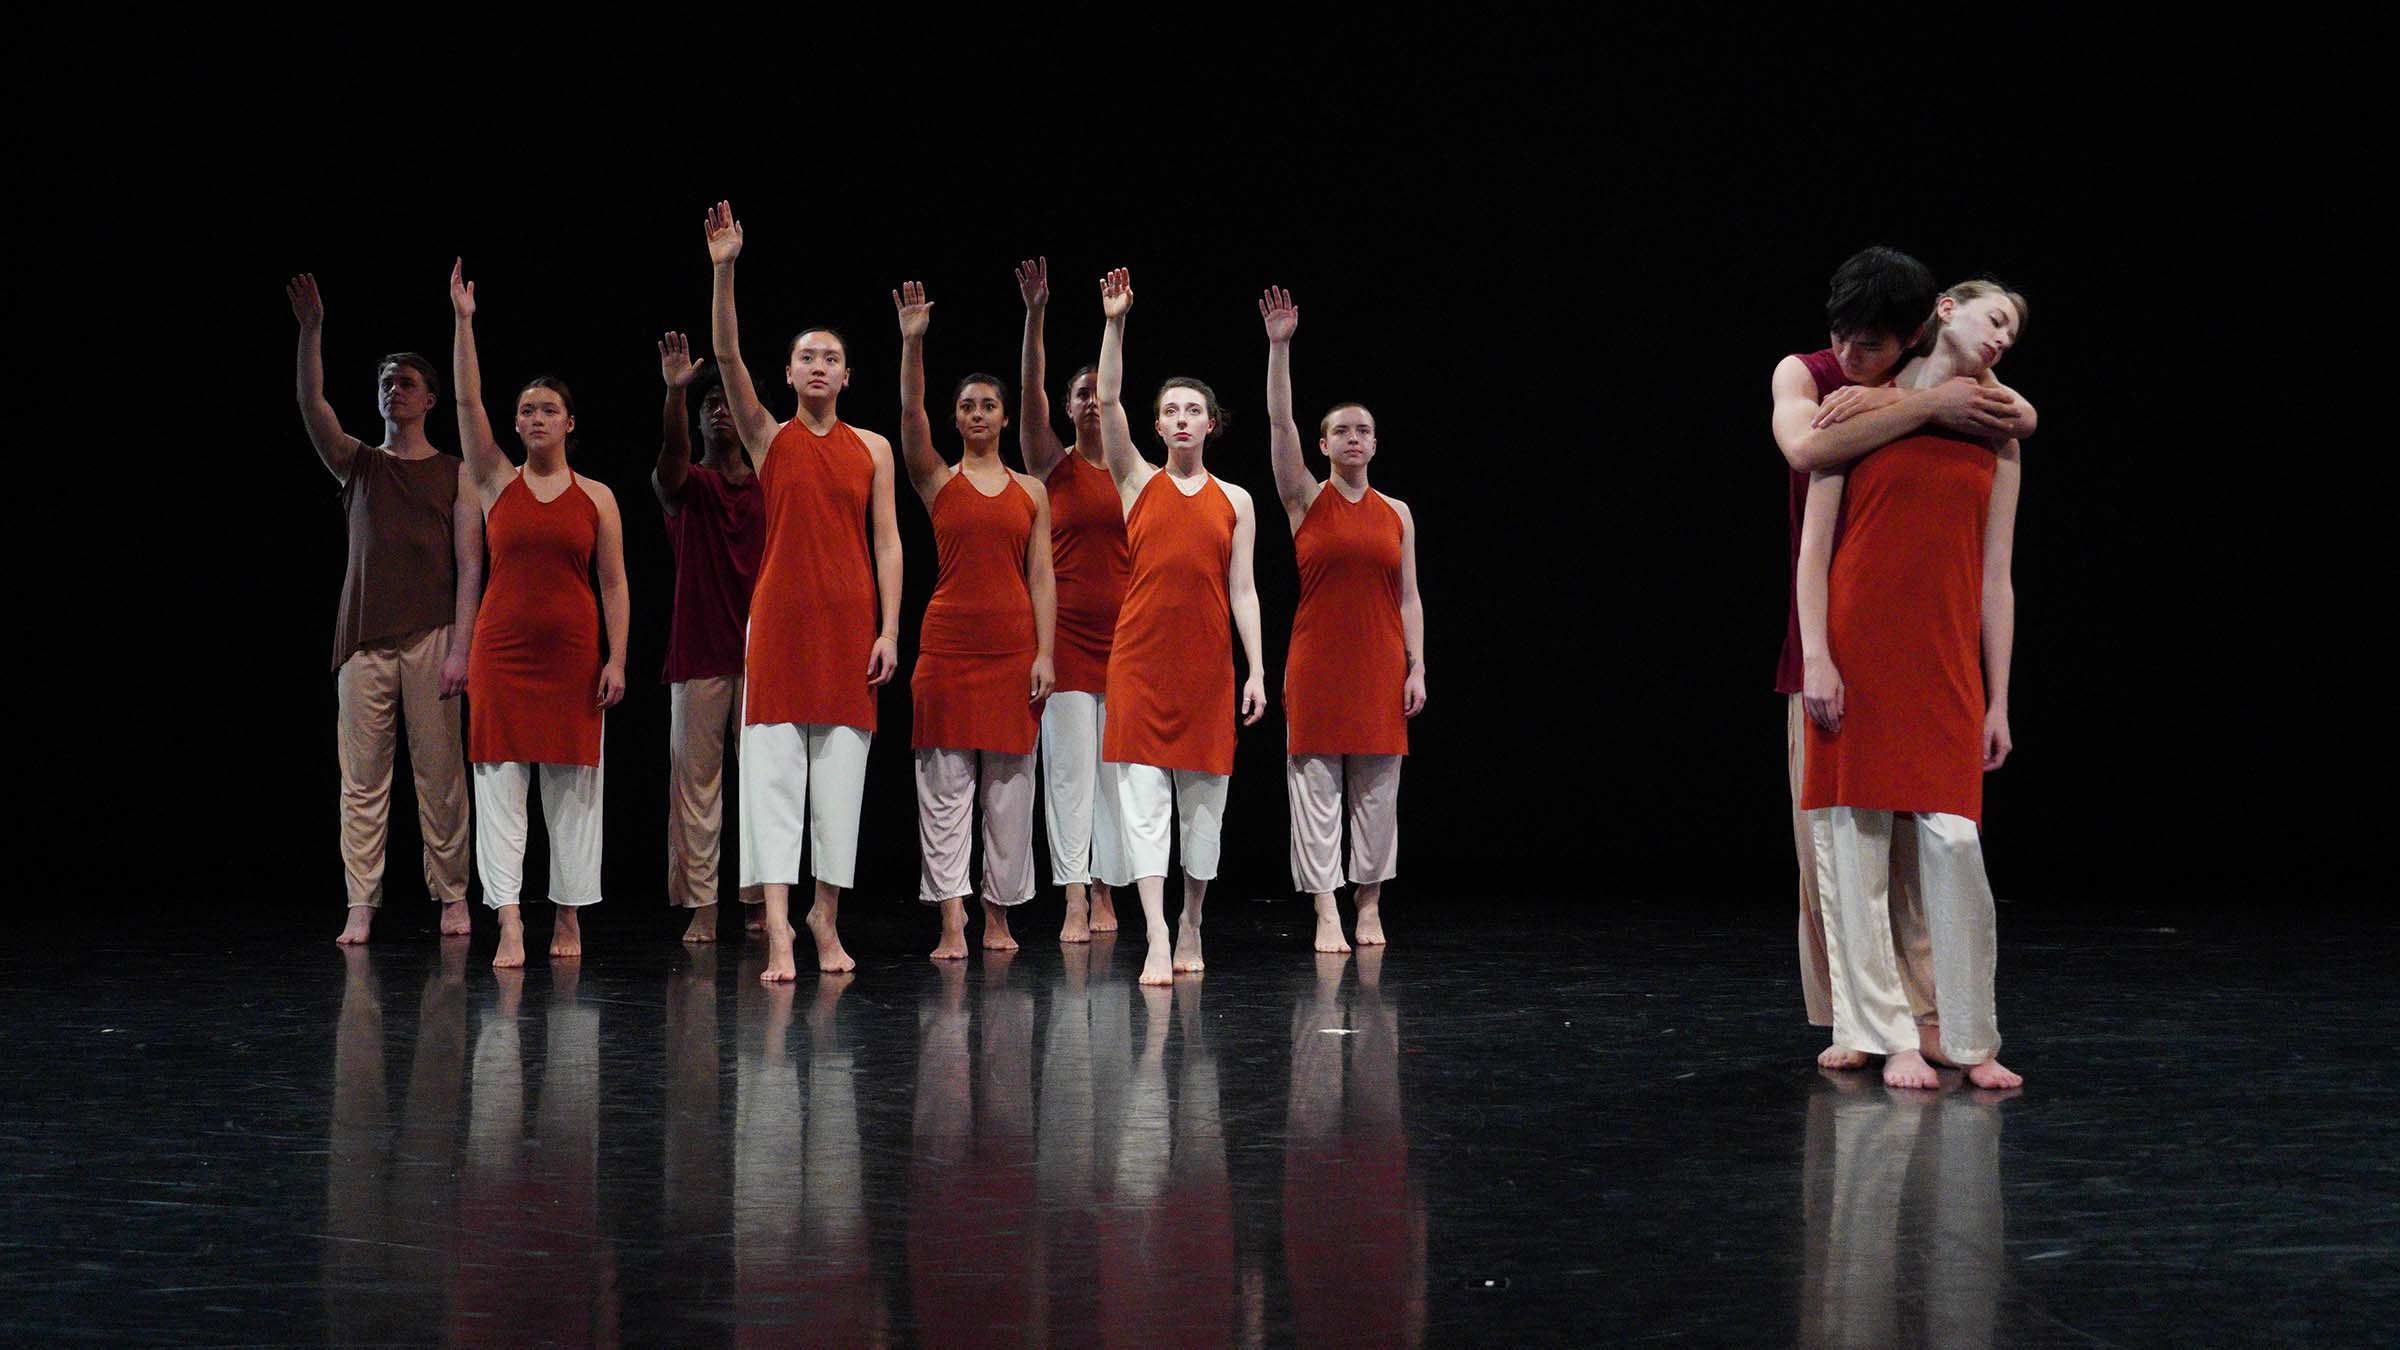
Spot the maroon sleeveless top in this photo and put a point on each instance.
(1828, 372)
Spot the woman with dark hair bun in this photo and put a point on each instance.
(538, 680)
(1168, 747)
(1907, 634)
(983, 659)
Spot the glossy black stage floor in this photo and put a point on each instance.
(1532, 1131)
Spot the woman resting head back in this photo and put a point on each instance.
(1974, 325)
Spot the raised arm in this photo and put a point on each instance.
(676, 367)
(1999, 603)
(1125, 464)
(1241, 588)
(925, 467)
(1821, 688)
(751, 419)
(1412, 613)
(466, 543)
(1853, 421)
(1293, 484)
(1042, 583)
(616, 603)
(1037, 440)
(338, 448)
(485, 464)
(884, 661)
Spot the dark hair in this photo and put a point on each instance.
(556, 386)
(705, 381)
(423, 367)
(1325, 423)
(980, 378)
(839, 338)
(1216, 410)
(1080, 372)
(1975, 288)
(1879, 290)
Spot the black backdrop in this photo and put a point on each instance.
(1557, 254)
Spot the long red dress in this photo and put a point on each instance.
(1170, 674)
(975, 652)
(1904, 626)
(813, 615)
(533, 678)
(1088, 556)
(1342, 682)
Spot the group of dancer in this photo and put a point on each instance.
(1080, 613)
(1904, 475)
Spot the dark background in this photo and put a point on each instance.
(1558, 254)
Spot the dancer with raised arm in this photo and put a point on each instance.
(984, 655)
(1356, 672)
(1168, 746)
(401, 631)
(1087, 552)
(1830, 407)
(824, 621)
(717, 522)
(1906, 713)
(539, 681)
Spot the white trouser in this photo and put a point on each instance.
(1854, 857)
(571, 810)
(1315, 785)
(1080, 819)
(699, 711)
(1148, 800)
(949, 785)
(1908, 909)
(779, 760)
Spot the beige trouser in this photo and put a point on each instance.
(400, 677)
(699, 711)
(1908, 907)
(950, 785)
(1855, 857)
(1315, 785)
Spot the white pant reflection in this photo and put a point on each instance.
(800, 1257)
(1901, 1193)
(1353, 1225)
(974, 1240)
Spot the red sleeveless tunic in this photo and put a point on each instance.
(1170, 674)
(1087, 553)
(533, 678)
(1904, 624)
(1348, 668)
(975, 652)
(813, 615)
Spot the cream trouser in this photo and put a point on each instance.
(1315, 784)
(1908, 907)
(698, 713)
(1148, 800)
(1855, 873)
(571, 809)
(1081, 820)
(949, 784)
(782, 806)
(400, 678)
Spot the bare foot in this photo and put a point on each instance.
(1908, 1069)
(354, 930)
(1369, 924)
(1993, 1076)
(754, 918)
(1078, 927)
(779, 968)
(704, 925)
(454, 919)
(1329, 931)
(1187, 950)
(1929, 1044)
(831, 959)
(1104, 909)
(953, 946)
(511, 955)
(1840, 1057)
(996, 937)
(1158, 967)
(566, 935)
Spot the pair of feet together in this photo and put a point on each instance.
(1914, 1068)
(566, 939)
